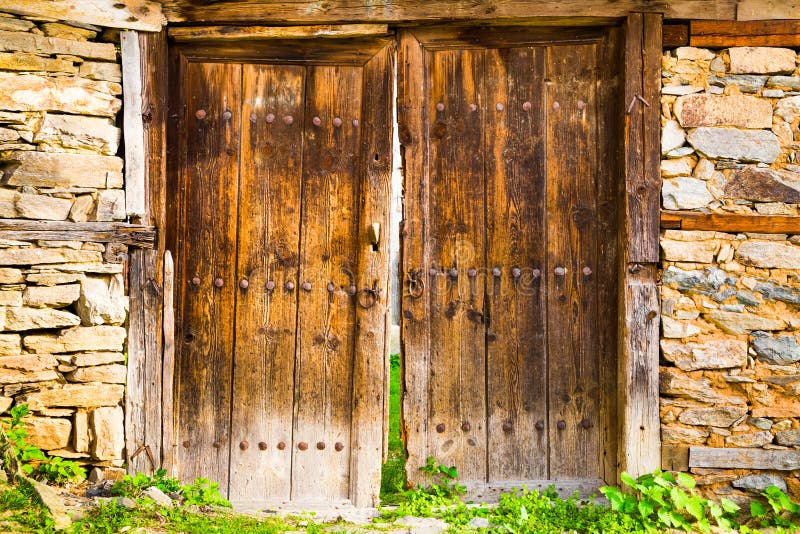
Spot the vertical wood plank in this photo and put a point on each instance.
(133, 129)
(208, 253)
(328, 255)
(515, 198)
(269, 227)
(414, 259)
(571, 243)
(168, 370)
(371, 363)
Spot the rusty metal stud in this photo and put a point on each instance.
(585, 423)
(270, 117)
(331, 287)
(651, 315)
(317, 121)
(536, 273)
(440, 106)
(219, 282)
(465, 426)
(288, 120)
(320, 445)
(302, 445)
(539, 425)
(440, 428)
(560, 271)
(453, 273)
(244, 445)
(526, 106)
(253, 118)
(433, 272)
(561, 425)
(196, 281)
(337, 122)
(200, 114)
(339, 446)
(352, 290)
(587, 271)
(507, 426)
(306, 286)
(473, 107)
(216, 444)
(496, 272)
(516, 272)
(500, 106)
(491, 336)
(226, 116)
(472, 272)
(262, 446)
(244, 283)
(289, 285)
(186, 444)
(270, 285)
(556, 106)
(281, 446)
(355, 123)
(581, 104)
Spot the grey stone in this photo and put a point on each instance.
(752, 440)
(740, 145)
(712, 354)
(722, 416)
(680, 152)
(479, 522)
(781, 293)
(761, 60)
(769, 255)
(681, 435)
(704, 281)
(761, 422)
(788, 108)
(789, 438)
(685, 193)
(759, 483)
(675, 384)
(773, 93)
(779, 350)
(126, 502)
(746, 84)
(763, 185)
(784, 82)
(743, 323)
(672, 136)
(155, 494)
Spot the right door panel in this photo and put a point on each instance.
(509, 344)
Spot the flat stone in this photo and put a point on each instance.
(778, 292)
(694, 54)
(778, 350)
(97, 70)
(31, 62)
(78, 339)
(789, 438)
(5, 404)
(678, 435)
(735, 110)
(680, 152)
(102, 300)
(51, 296)
(11, 276)
(29, 362)
(88, 268)
(53, 279)
(696, 252)
(19, 319)
(10, 298)
(763, 185)
(711, 354)
(761, 60)
(80, 433)
(745, 83)
(720, 416)
(15, 25)
(47, 433)
(66, 31)
(68, 94)
(42, 207)
(675, 384)
(110, 205)
(769, 255)
(87, 359)
(704, 170)
(10, 344)
(671, 168)
(33, 256)
(76, 396)
(54, 503)
(97, 134)
(685, 193)
(37, 44)
(673, 329)
(743, 323)
(108, 433)
(16, 376)
(109, 374)
(672, 136)
(741, 145)
(83, 208)
(773, 93)
(157, 496)
(705, 281)
(680, 89)
(759, 483)
(753, 440)
(60, 169)
(792, 83)
(788, 108)
(761, 422)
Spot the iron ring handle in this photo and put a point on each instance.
(370, 301)
(416, 286)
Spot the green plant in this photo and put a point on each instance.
(780, 511)
(201, 492)
(442, 479)
(19, 454)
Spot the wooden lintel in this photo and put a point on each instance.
(675, 35)
(102, 232)
(723, 458)
(723, 33)
(143, 15)
(730, 222)
(767, 10)
(252, 33)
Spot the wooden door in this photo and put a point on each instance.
(283, 173)
(509, 253)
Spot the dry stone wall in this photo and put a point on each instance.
(63, 304)
(730, 353)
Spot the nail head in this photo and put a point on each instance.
(288, 119)
(496, 272)
(290, 285)
(219, 282)
(337, 121)
(339, 446)
(440, 428)
(306, 286)
(196, 281)
(302, 445)
(270, 285)
(270, 117)
(244, 283)
(227, 115)
(500, 106)
(262, 446)
(317, 121)
(440, 106)
(244, 445)
(200, 114)
(321, 445)
(526, 106)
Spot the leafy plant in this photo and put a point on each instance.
(442, 479)
(32, 461)
(780, 510)
(201, 492)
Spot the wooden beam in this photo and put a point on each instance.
(724, 34)
(675, 35)
(767, 10)
(168, 371)
(143, 15)
(132, 126)
(134, 235)
(722, 458)
(409, 11)
(251, 33)
(730, 222)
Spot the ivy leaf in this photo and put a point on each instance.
(686, 481)
(696, 507)
(729, 506)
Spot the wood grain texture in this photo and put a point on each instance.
(269, 227)
(208, 252)
(135, 235)
(675, 35)
(132, 124)
(730, 222)
(766, 9)
(168, 368)
(724, 34)
(132, 14)
(455, 37)
(249, 33)
(448, 10)
(718, 458)
(515, 211)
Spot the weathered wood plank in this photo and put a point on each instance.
(730, 222)
(142, 15)
(103, 232)
(674, 458)
(168, 368)
(724, 34)
(269, 237)
(342, 11)
(675, 35)
(132, 125)
(451, 37)
(720, 458)
(250, 33)
(765, 10)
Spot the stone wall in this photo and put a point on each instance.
(63, 304)
(730, 366)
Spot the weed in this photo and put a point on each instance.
(201, 492)
(393, 474)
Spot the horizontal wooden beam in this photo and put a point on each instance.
(252, 33)
(767, 10)
(724, 33)
(722, 458)
(141, 15)
(409, 11)
(101, 232)
(675, 35)
(730, 222)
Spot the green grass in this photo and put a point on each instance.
(393, 476)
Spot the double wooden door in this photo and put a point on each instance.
(282, 187)
(509, 261)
